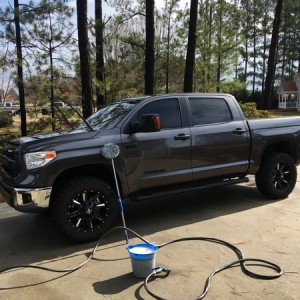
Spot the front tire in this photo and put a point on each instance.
(84, 208)
(277, 176)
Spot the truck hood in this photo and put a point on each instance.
(41, 141)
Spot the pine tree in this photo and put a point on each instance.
(165, 44)
(84, 53)
(191, 49)
(99, 29)
(49, 33)
(20, 68)
(272, 55)
(149, 48)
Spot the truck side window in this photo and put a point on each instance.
(209, 111)
(168, 109)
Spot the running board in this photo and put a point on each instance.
(184, 189)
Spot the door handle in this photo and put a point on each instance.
(182, 137)
(239, 131)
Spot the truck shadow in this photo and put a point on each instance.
(31, 239)
(155, 215)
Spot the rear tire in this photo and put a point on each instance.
(277, 176)
(84, 208)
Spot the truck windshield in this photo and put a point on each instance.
(109, 116)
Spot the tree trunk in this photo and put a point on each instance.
(265, 31)
(209, 47)
(84, 54)
(52, 88)
(272, 55)
(51, 73)
(168, 50)
(191, 49)
(299, 58)
(254, 48)
(284, 46)
(219, 40)
(100, 90)
(149, 50)
(246, 42)
(20, 69)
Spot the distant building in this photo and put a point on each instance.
(289, 93)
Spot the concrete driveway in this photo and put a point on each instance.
(238, 214)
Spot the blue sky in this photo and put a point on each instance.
(106, 9)
(4, 3)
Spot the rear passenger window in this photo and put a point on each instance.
(209, 110)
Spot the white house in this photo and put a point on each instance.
(289, 93)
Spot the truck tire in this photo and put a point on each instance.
(84, 208)
(277, 176)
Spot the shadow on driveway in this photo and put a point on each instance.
(29, 238)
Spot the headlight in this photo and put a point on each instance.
(38, 159)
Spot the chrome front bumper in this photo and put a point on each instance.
(32, 199)
(25, 199)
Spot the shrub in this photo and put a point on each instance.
(251, 112)
(5, 119)
(44, 124)
(7, 136)
(45, 111)
(234, 87)
(39, 126)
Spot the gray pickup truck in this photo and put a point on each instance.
(168, 144)
(10, 108)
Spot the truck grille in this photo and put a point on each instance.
(10, 162)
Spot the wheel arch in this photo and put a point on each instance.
(103, 172)
(284, 147)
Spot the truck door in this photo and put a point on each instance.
(220, 142)
(155, 159)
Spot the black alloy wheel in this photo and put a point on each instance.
(84, 208)
(88, 211)
(277, 176)
(281, 175)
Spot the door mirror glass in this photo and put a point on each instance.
(146, 123)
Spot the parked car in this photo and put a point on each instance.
(10, 107)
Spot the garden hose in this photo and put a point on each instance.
(164, 272)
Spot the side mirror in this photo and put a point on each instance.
(147, 123)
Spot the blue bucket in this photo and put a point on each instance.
(142, 259)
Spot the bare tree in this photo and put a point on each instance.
(5, 83)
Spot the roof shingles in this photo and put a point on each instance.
(289, 86)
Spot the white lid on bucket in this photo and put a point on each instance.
(141, 251)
